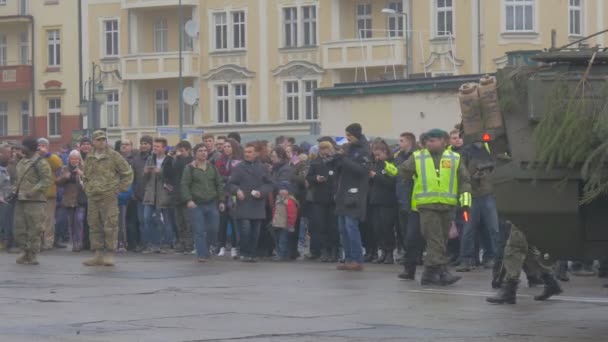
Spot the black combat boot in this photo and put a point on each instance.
(389, 259)
(430, 276)
(446, 278)
(498, 275)
(552, 287)
(409, 273)
(506, 295)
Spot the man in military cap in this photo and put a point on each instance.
(441, 181)
(34, 177)
(106, 173)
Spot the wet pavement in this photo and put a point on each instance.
(170, 298)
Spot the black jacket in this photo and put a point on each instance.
(403, 190)
(322, 193)
(248, 176)
(382, 187)
(138, 162)
(353, 180)
(283, 173)
(179, 164)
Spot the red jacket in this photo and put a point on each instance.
(285, 213)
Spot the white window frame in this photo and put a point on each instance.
(575, 10)
(366, 18)
(53, 47)
(3, 50)
(23, 7)
(25, 118)
(302, 95)
(112, 108)
(24, 48)
(309, 25)
(515, 4)
(54, 114)
(445, 10)
(161, 33)
(396, 22)
(230, 27)
(3, 118)
(2, 2)
(161, 103)
(299, 25)
(188, 42)
(230, 99)
(111, 36)
(292, 23)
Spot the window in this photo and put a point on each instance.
(221, 31)
(112, 109)
(161, 31)
(25, 118)
(310, 25)
(223, 103)
(292, 96)
(188, 42)
(229, 30)
(111, 38)
(54, 47)
(3, 119)
(54, 117)
(231, 103)
(24, 49)
(395, 21)
(51, 2)
(575, 10)
(240, 102)
(2, 2)
(364, 20)
(22, 7)
(162, 107)
(290, 24)
(519, 15)
(300, 98)
(445, 17)
(188, 114)
(3, 49)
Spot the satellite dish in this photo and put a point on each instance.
(190, 96)
(191, 28)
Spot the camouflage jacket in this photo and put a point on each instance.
(5, 182)
(33, 182)
(105, 174)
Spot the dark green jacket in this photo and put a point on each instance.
(202, 186)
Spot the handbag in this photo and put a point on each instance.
(12, 198)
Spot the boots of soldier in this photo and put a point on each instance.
(389, 260)
(108, 259)
(430, 276)
(446, 278)
(23, 258)
(96, 260)
(409, 273)
(498, 275)
(552, 287)
(506, 295)
(32, 260)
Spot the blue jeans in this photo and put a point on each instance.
(141, 221)
(482, 212)
(250, 233)
(6, 223)
(156, 221)
(350, 238)
(282, 242)
(302, 231)
(168, 232)
(205, 222)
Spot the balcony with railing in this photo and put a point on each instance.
(15, 77)
(131, 4)
(158, 65)
(355, 53)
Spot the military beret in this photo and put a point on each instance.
(436, 133)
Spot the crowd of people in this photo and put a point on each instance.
(359, 202)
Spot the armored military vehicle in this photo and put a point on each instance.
(551, 148)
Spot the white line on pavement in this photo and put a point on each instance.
(486, 294)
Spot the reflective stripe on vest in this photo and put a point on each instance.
(431, 187)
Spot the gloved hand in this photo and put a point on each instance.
(465, 200)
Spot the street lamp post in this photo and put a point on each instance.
(406, 33)
(95, 97)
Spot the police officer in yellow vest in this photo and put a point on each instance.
(441, 181)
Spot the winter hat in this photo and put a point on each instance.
(30, 143)
(85, 140)
(43, 141)
(355, 130)
(284, 185)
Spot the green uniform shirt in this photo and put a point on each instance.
(106, 173)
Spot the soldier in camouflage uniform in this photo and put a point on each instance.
(106, 173)
(518, 253)
(33, 180)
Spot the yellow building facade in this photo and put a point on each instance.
(39, 74)
(254, 64)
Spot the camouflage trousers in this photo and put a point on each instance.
(29, 221)
(519, 253)
(184, 228)
(102, 216)
(435, 227)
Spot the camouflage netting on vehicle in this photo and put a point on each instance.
(572, 132)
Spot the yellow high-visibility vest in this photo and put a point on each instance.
(432, 186)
